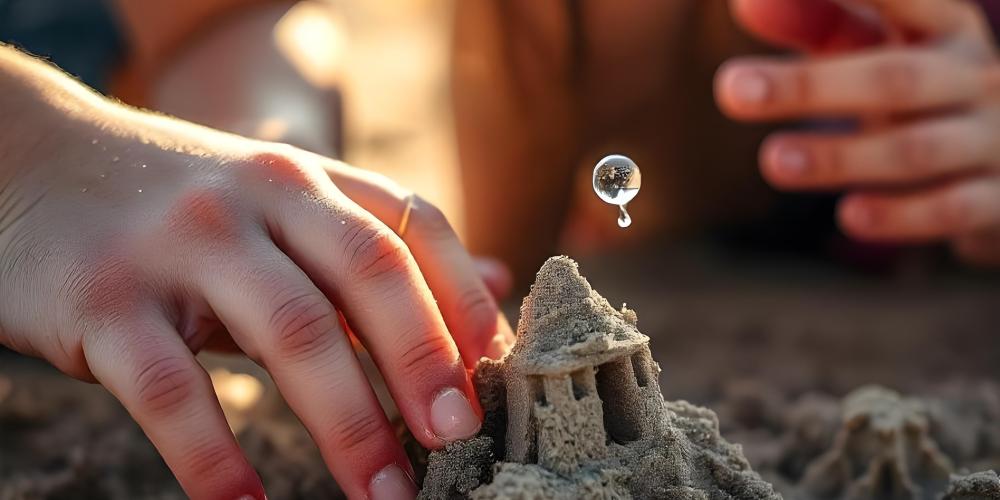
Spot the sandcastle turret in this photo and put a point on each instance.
(579, 374)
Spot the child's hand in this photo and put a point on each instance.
(127, 242)
(922, 76)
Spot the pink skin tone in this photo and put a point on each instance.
(129, 241)
(921, 75)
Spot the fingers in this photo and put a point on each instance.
(817, 26)
(469, 309)
(910, 153)
(279, 317)
(496, 276)
(952, 210)
(151, 371)
(888, 81)
(929, 17)
(372, 276)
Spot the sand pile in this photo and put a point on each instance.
(575, 411)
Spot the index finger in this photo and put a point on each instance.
(468, 307)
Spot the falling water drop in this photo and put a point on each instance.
(83, 190)
(624, 219)
(115, 159)
(617, 180)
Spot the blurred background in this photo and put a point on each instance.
(497, 112)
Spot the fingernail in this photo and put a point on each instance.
(452, 417)
(749, 86)
(791, 160)
(391, 483)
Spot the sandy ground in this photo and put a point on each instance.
(720, 324)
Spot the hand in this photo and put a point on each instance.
(128, 242)
(921, 76)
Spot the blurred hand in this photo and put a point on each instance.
(922, 77)
(128, 242)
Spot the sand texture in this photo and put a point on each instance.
(575, 411)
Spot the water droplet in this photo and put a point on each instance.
(617, 180)
(140, 190)
(270, 180)
(93, 141)
(143, 165)
(343, 222)
(84, 190)
(115, 159)
(103, 176)
(624, 219)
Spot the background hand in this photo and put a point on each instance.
(923, 80)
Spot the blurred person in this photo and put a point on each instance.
(896, 102)
(129, 241)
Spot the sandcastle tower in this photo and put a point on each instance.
(580, 373)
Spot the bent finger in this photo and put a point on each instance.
(906, 154)
(886, 81)
(817, 26)
(280, 318)
(469, 309)
(928, 17)
(957, 208)
(371, 275)
(152, 372)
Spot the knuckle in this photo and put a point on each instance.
(279, 168)
(431, 221)
(804, 86)
(899, 81)
(165, 385)
(915, 151)
(303, 325)
(356, 433)
(211, 458)
(478, 311)
(204, 216)
(422, 357)
(372, 253)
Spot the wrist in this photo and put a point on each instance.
(44, 112)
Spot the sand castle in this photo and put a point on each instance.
(883, 450)
(575, 411)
